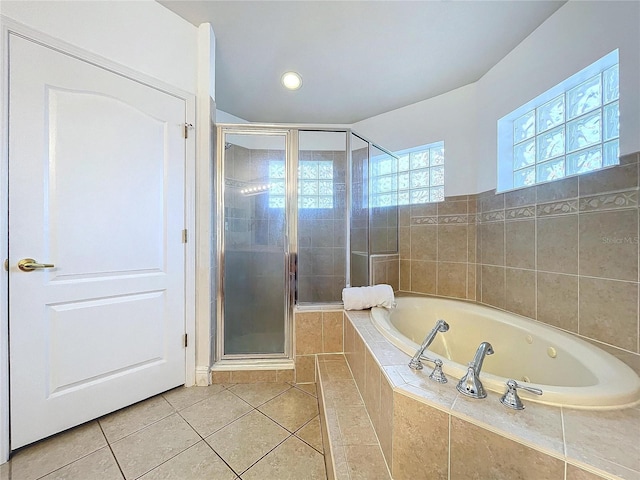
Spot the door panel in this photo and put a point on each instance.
(96, 187)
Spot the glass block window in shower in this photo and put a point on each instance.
(315, 184)
(571, 129)
(416, 176)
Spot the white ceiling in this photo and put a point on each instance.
(357, 58)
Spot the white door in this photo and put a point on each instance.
(96, 188)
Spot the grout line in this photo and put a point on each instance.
(110, 449)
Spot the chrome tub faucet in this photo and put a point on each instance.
(416, 364)
(470, 385)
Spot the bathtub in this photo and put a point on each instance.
(570, 371)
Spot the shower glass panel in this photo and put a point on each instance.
(254, 300)
(383, 200)
(359, 245)
(322, 163)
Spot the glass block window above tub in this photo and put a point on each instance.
(315, 184)
(570, 129)
(416, 176)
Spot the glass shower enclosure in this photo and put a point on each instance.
(293, 229)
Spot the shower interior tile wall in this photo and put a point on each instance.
(322, 237)
(564, 253)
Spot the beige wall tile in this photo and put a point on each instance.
(404, 242)
(478, 453)
(404, 215)
(472, 241)
(424, 242)
(609, 244)
(608, 180)
(558, 300)
(491, 202)
(332, 332)
(355, 426)
(520, 197)
(472, 205)
(493, 291)
(305, 368)
(609, 312)
(371, 394)
(424, 209)
(520, 244)
(558, 190)
(220, 377)
(420, 440)
(452, 207)
(492, 241)
(452, 279)
(423, 276)
(251, 376)
(358, 364)
(557, 244)
(349, 338)
(308, 332)
(393, 274)
(520, 292)
(385, 429)
(405, 275)
(452, 243)
(471, 281)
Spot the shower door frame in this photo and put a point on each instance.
(290, 134)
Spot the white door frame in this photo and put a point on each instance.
(8, 26)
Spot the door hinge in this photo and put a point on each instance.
(6, 264)
(187, 127)
(185, 236)
(186, 340)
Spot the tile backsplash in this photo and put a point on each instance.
(564, 253)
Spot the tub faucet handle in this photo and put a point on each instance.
(511, 399)
(438, 375)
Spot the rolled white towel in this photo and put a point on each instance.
(361, 298)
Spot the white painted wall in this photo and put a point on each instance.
(140, 34)
(450, 117)
(578, 34)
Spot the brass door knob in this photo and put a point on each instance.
(29, 265)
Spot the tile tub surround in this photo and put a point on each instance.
(565, 253)
(411, 413)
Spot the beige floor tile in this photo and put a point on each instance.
(292, 409)
(245, 441)
(183, 397)
(291, 460)
(196, 463)
(144, 450)
(215, 412)
(100, 465)
(48, 455)
(4, 471)
(310, 388)
(136, 417)
(311, 434)
(255, 394)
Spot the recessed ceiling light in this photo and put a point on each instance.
(292, 80)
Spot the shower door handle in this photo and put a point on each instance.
(293, 277)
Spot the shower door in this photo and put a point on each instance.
(253, 298)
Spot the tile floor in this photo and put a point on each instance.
(265, 431)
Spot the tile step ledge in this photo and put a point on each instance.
(351, 446)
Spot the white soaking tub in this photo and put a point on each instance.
(570, 371)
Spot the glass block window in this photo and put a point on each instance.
(571, 129)
(315, 184)
(416, 176)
